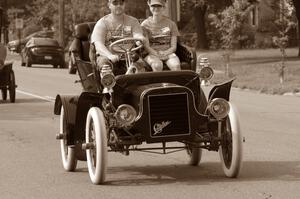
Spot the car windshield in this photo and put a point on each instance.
(41, 34)
(42, 42)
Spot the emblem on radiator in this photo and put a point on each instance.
(158, 127)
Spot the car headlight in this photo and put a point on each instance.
(219, 108)
(206, 73)
(108, 80)
(125, 114)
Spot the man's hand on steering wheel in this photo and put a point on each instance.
(120, 46)
(113, 58)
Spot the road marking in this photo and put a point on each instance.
(46, 98)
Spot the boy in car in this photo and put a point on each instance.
(112, 27)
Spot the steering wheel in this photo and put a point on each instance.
(125, 45)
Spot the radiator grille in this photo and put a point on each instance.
(169, 115)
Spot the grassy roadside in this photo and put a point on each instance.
(258, 69)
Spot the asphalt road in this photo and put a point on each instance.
(30, 164)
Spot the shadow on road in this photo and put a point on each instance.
(31, 100)
(205, 173)
(24, 100)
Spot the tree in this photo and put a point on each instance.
(200, 11)
(199, 14)
(296, 4)
(284, 23)
(230, 25)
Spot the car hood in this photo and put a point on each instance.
(130, 88)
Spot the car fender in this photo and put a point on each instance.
(221, 90)
(85, 101)
(76, 109)
(69, 103)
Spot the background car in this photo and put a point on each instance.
(43, 51)
(17, 45)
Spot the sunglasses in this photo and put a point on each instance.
(117, 3)
(156, 6)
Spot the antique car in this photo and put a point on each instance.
(43, 51)
(129, 112)
(18, 44)
(7, 82)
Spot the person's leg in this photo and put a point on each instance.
(140, 65)
(101, 60)
(155, 63)
(173, 62)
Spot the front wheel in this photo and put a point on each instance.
(231, 148)
(4, 93)
(96, 135)
(67, 152)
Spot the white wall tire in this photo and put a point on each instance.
(67, 152)
(96, 133)
(231, 151)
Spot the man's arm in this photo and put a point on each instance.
(98, 39)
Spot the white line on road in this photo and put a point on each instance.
(46, 98)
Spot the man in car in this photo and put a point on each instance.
(2, 55)
(112, 27)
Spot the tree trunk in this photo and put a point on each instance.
(297, 8)
(199, 15)
(298, 38)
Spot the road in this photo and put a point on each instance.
(30, 164)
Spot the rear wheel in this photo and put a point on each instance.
(71, 67)
(195, 155)
(67, 152)
(62, 65)
(22, 60)
(96, 135)
(231, 148)
(28, 62)
(4, 93)
(12, 87)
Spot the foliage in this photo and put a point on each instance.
(230, 26)
(232, 23)
(76, 11)
(284, 23)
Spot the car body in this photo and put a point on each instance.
(122, 113)
(18, 44)
(43, 51)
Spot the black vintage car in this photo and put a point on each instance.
(120, 114)
(43, 51)
(7, 82)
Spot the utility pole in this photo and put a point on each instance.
(61, 11)
(4, 22)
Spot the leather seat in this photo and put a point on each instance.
(80, 46)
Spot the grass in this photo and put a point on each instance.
(258, 69)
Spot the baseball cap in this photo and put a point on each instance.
(157, 2)
(111, 1)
